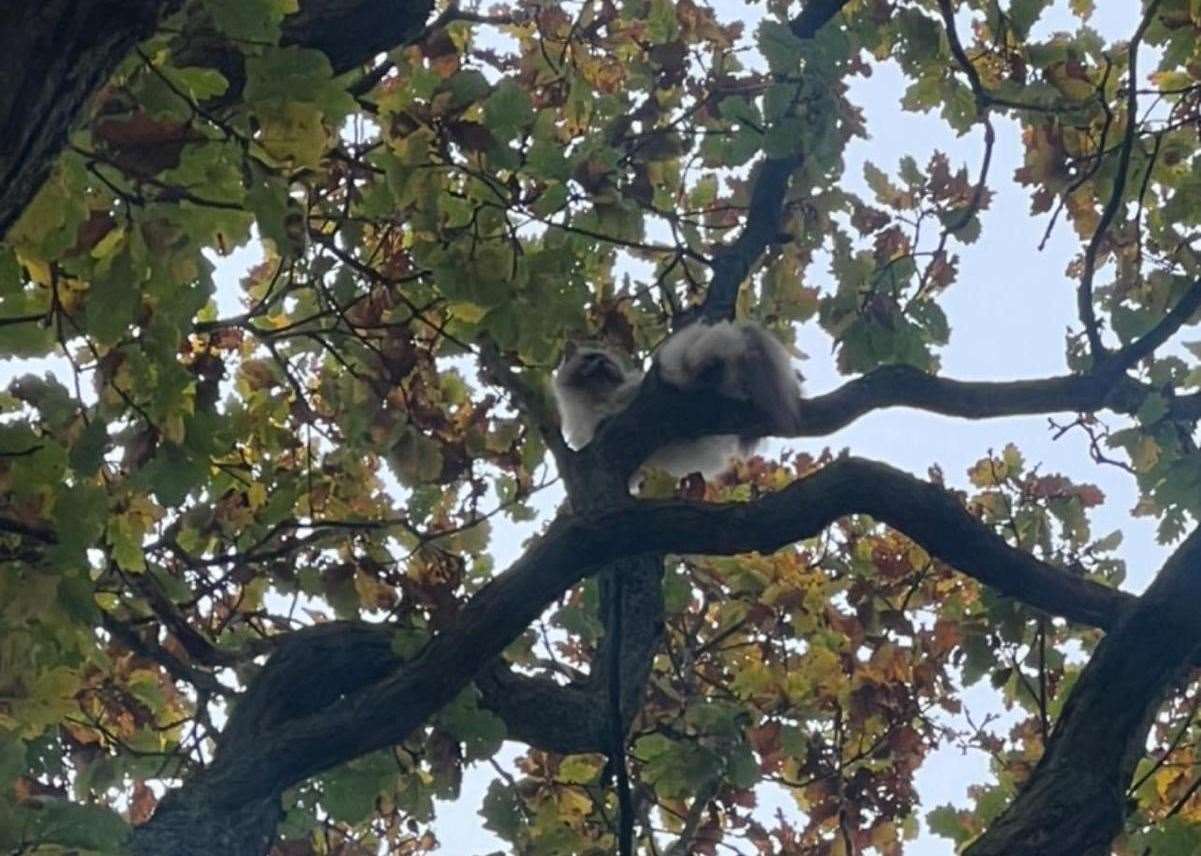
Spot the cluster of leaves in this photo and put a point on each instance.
(198, 479)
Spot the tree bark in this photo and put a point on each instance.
(356, 699)
(53, 55)
(1075, 800)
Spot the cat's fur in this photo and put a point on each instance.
(741, 360)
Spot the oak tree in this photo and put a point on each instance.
(248, 600)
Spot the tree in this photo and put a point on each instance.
(248, 598)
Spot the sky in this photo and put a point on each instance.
(1009, 311)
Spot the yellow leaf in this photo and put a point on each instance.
(108, 245)
(580, 769)
(293, 134)
(256, 495)
(573, 804)
(252, 595)
(39, 270)
(1145, 455)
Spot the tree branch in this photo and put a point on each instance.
(1172, 321)
(1084, 293)
(151, 650)
(734, 263)
(661, 413)
(53, 55)
(353, 32)
(574, 546)
(1075, 801)
(814, 16)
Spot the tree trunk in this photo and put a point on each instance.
(53, 55)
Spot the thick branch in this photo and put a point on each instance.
(1075, 801)
(660, 414)
(53, 55)
(734, 263)
(814, 16)
(354, 32)
(573, 547)
(571, 719)
(1173, 320)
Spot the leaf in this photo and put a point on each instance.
(199, 82)
(172, 474)
(502, 811)
(580, 769)
(480, 730)
(349, 794)
(279, 78)
(114, 298)
(93, 828)
(784, 138)
(416, 458)
(88, 451)
(294, 134)
(508, 109)
(779, 46)
(949, 822)
(1024, 13)
(12, 758)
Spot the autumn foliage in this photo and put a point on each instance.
(258, 590)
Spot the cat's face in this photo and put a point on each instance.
(592, 369)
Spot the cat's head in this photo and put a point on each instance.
(590, 369)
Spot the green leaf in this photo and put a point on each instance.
(88, 452)
(784, 137)
(349, 794)
(502, 811)
(416, 458)
(250, 20)
(172, 474)
(280, 77)
(200, 83)
(12, 758)
(90, 827)
(480, 730)
(508, 109)
(10, 273)
(948, 822)
(80, 511)
(1023, 14)
(115, 297)
(779, 46)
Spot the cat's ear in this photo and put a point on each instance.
(570, 349)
